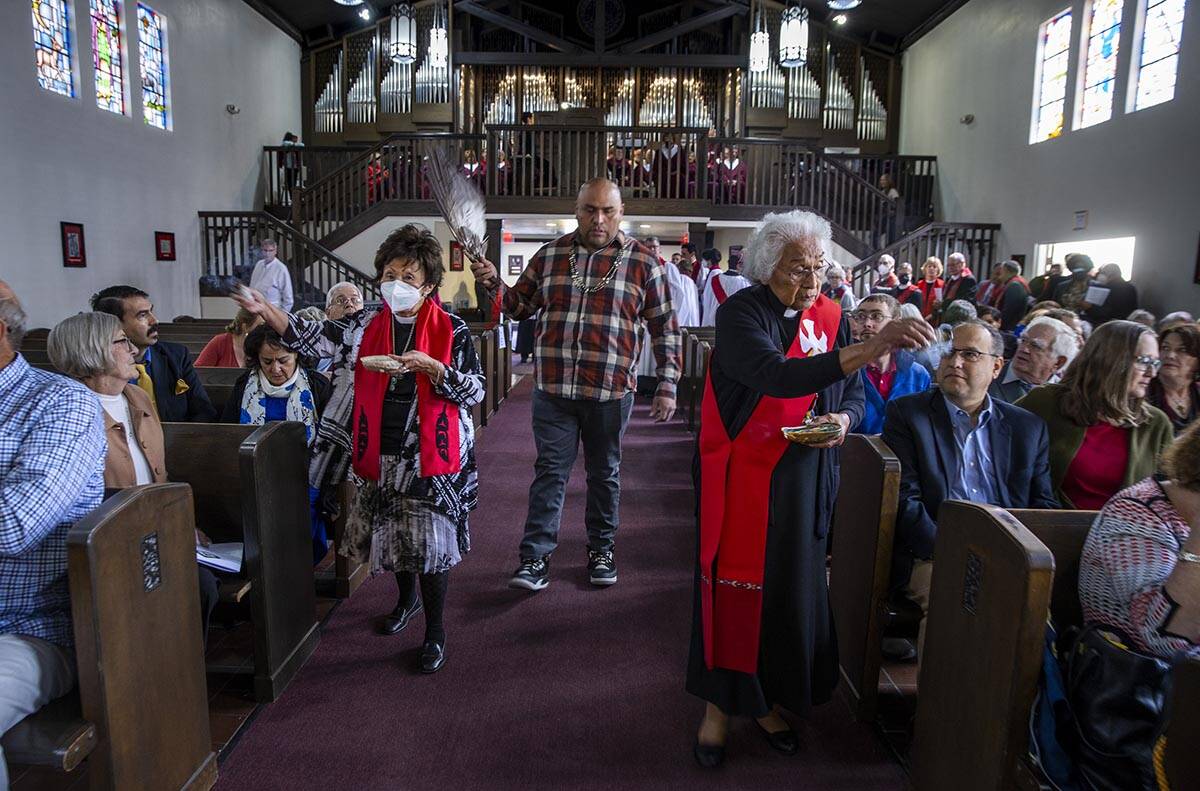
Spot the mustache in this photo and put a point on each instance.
(152, 329)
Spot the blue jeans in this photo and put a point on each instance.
(558, 426)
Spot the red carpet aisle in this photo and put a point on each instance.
(570, 688)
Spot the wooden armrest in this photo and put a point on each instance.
(232, 590)
(55, 735)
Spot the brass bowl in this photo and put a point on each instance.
(812, 433)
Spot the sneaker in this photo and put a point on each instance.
(533, 574)
(601, 567)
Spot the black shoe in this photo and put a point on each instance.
(399, 618)
(785, 741)
(898, 649)
(602, 569)
(710, 756)
(433, 656)
(533, 574)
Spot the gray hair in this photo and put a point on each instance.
(334, 288)
(957, 257)
(81, 346)
(1171, 319)
(311, 313)
(997, 340)
(835, 270)
(774, 232)
(910, 311)
(887, 259)
(1011, 266)
(14, 319)
(959, 311)
(268, 242)
(1142, 316)
(1066, 341)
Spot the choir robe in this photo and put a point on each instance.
(732, 174)
(798, 659)
(669, 165)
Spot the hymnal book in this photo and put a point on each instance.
(222, 557)
(1096, 296)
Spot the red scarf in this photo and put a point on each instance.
(437, 418)
(719, 290)
(735, 502)
(997, 294)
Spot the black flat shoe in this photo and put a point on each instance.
(433, 656)
(785, 741)
(399, 618)
(710, 756)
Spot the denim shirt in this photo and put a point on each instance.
(973, 480)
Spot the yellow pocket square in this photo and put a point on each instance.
(181, 387)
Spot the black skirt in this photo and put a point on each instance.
(798, 659)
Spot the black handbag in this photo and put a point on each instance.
(1118, 699)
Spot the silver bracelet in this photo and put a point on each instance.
(1189, 557)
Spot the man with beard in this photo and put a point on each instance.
(164, 369)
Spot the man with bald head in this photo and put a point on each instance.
(595, 287)
(51, 475)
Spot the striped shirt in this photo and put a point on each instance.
(587, 344)
(52, 453)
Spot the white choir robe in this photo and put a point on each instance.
(732, 283)
(686, 304)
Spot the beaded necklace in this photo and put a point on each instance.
(578, 279)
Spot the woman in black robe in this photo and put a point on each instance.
(778, 343)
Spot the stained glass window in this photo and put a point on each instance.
(52, 46)
(106, 55)
(1100, 66)
(152, 51)
(1159, 61)
(1054, 50)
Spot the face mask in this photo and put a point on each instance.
(904, 279)
(400, 296)
(883, 270)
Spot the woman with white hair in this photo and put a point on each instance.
(762, 630)
(837, 289)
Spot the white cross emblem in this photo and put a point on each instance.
(810, 343)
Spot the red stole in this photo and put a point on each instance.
(997, 294)
(735, 494)
(437, 418)
(718, 289)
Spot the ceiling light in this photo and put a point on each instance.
(793, 37)
(551, 225)
(348, 2)
(841, 19)
(402, 34)
(644, 226)
(439, 47)
(760, 47)
(844, 5)
(365, 14)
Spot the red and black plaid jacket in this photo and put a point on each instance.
(587, 344)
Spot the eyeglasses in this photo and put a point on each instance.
(817, 273)
(128, 344)
(869, 315)
(348, 302)
(1148, 363)
(969, 356)
(1034, 343)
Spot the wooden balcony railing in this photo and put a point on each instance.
(232, 245)
(285, 168)
(915, 178)
(977, 241)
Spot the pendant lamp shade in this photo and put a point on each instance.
(793, 37)
(760, 46)
(402, 34)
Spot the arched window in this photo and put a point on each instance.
(152, 51)
(53, 46)
(1156, 61)
(1050, 86)
(1099, 62)
(108, 55)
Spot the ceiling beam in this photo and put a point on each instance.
(516, 26)
(584, 59)
(695, 23)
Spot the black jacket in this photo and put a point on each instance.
(918, 430)
(232, 411)
(178, 392)
(967, 286)
(1121, 301)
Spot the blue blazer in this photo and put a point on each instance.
(910, 378)
(178, 391)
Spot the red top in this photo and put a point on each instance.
(218, 353)
(930, 293)
(1098, 470)
(882, 379)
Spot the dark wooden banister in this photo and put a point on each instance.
(975, 240)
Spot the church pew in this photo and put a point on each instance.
(218, 394)
(140, 714)
(348, 574)
(864, 522)
(210, 377)
(1181, 761)
(487, 360)
(250, 485)
(990, 595)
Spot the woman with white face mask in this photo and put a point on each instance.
(398, 425)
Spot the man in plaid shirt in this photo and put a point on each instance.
(594, 288)
(51, 474)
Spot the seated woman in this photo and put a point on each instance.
(93, 348)
(226, 350)
(762, 627)
(1175, 390)
(274, 387)
(1140, 569)
(1104, 435)
(405, 376)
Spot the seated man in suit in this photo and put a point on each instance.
(1044, 349)
(958, 443)
(164, 369)
(51, 475)
(894, 374)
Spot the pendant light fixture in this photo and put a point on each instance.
(439, 47)
(349, 2)
(793, 37)
(402, 34)
(760, 45)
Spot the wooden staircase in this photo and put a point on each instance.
(977, 241)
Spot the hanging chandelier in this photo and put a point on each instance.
(760, 46)
(402, 34)
(439, 47)
(349, 2)
(793, 37)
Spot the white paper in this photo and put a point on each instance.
(222, 557)
(1096, 296)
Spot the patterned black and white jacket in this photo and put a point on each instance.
(453, 495)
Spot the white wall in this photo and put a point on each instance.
(1135, 174)
(66, 159)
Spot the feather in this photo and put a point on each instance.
(459, 202)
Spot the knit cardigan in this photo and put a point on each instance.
(1146, 441)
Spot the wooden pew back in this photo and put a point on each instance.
(251, 484)
(990, 596)
(1182, 758)
(141, 662)
(864, 522)
(1063, 532)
